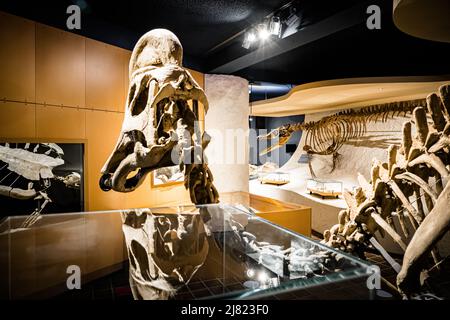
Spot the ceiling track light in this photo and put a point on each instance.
(249, 39)
(292, 23)
(263, 32)
(275, 26)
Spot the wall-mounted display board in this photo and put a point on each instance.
(168, 176)
(41, 177)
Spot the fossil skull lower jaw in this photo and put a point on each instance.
(142, 160)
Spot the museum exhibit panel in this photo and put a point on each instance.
(242, 150)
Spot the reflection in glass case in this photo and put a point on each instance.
(276, 178)
(324, 188)
(183, 252)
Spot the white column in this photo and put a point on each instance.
(227, 123)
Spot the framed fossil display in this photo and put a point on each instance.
(41, 177)
(168, 176)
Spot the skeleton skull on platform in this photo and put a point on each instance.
(159, 126)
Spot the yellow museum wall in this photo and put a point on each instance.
(58, 86)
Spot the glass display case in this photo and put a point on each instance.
(259, 172)
(276, 178)
(183, 252)
(324, 188)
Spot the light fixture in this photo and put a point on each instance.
(250, 272)
(263, 277)
(263, 32)
(250, 38)
(275, 26)
(281, 23)
(292, 23)
(292, 19)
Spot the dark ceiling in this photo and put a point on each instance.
(342, 52)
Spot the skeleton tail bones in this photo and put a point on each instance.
(417, 170)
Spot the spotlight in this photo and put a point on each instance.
(293, 16)
(250, 272)
(275, 26)
(263, 32)
(263, 277)
(292, 23)
(250, 37)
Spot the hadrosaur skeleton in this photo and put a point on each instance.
(412, 186)
(159, 130)
(327, 135)
(159, 127)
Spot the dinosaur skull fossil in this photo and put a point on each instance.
(161, 110)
